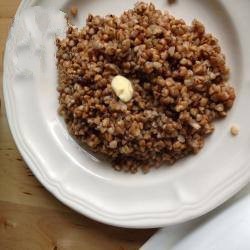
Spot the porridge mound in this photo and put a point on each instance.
(179, 77)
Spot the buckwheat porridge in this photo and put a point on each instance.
(143, 88)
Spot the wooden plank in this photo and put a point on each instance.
(4, 28)
(27, 227)
(8, 8)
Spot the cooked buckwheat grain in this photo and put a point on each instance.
(74, 11)
(234, 130)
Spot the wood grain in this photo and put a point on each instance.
(30, 217)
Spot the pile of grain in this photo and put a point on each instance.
(180, 85)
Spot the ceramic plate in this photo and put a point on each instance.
(165, 196)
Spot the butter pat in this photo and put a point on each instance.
(123, 88)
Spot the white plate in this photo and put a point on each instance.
(166, 196)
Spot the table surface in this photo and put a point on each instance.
(30, 217)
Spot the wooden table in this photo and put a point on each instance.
(30, 217)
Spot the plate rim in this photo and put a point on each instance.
(148, 220)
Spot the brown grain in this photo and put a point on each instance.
(234, 130)
(74, 11)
